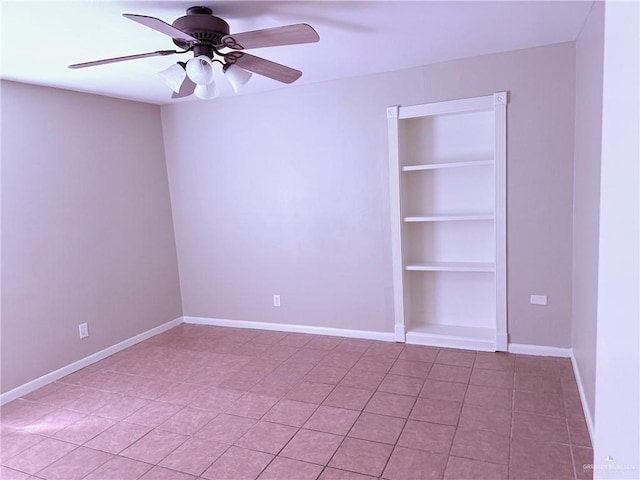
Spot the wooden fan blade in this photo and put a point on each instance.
(187, 88)
(264, 67)
(272, 37)
(162, 27)
(123, 59)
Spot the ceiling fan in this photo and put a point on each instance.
(208, 37)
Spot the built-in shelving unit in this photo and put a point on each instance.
(448, 197)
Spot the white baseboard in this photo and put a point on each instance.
(583, 399)
(289, 327)
(539, 350)
(86, 361)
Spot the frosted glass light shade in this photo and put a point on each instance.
(173, 76)
(237, 76)
(200, 70)
(206, 92)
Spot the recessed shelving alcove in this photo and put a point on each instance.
(448, 200)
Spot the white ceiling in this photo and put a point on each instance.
(39, 39)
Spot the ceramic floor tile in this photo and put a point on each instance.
(391, 404)
(468, 469)
(330, 473)
(121, 407)
(436, 411)
(431, 437)
(194, 456)
(419, 353)
(538, 383)
(450, 373)
(491, 378)
(362, 379)
(384, 349)
(408, 464)
(290, 412)
(401, 385)
(411, 368)
(489, 397)
(161, 473)
(541, 427)
(119, 468)
(84, 429)
(75, 465)
(238, 464)
(348, 397)
(286, 468)
(187, 421)
(361, 456)
(540, 460)
(273, 386)
(153, 414)
(39, 456)
(340, 359)
(439, 390)
(326, 374)
(11, 474)
(481, 445)
(375, 364)
(154, 446)
(477, 417)
(53, 422)
(456, 357)
(118, 437)
(331, 407)
(310, 392)
(312, 446)
(537, 365)
(582, 460)
(251, 405)
(14, 442)
(267, 437)
(225, 428)
(578, 431)
(539, 402)
(215, 399)
(332, 420)
(495, 361)
(377, 428)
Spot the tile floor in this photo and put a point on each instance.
(202, 402)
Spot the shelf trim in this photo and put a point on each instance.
(451, 267)
(449, 218)
(437, 166)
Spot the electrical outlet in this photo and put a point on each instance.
(83, 329)
(538, 299)
(276, 300)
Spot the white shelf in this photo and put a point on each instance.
(472, 338)
(451, 267)
(449, 218)
(436, 166)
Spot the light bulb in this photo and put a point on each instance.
(237, 76)
(173, 76)
(200, 70)
(206, 92)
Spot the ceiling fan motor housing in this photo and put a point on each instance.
(201, 24)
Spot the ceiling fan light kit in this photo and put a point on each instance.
(200, 70)
(237, 76)
(208, 37)
(174, 75)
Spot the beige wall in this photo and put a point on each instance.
(286, 193)
(586, 199)
(86, 227)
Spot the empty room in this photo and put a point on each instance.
(320, 240)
